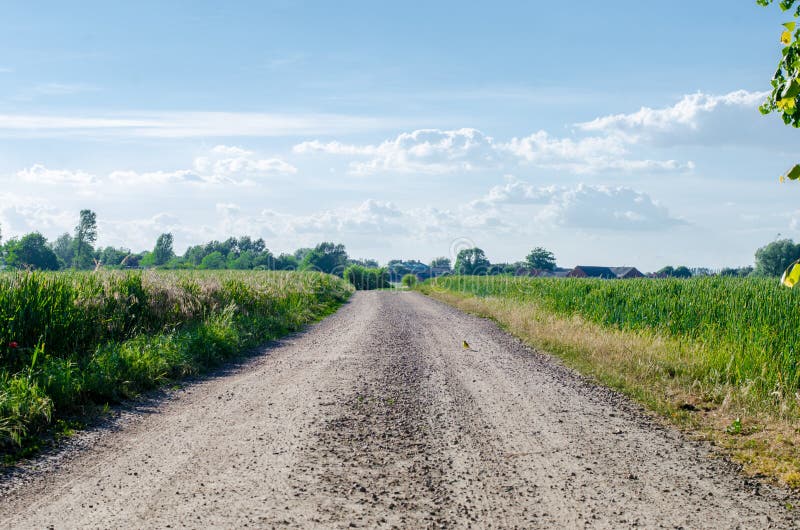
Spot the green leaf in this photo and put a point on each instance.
(791, 90)
(794, 173)
(789, 26)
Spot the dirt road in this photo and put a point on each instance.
(378, 416)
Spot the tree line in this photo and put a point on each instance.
(77, 250)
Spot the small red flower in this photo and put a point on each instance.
(13, 344)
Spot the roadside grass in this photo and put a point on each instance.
(697, 380)
(72, 342)
(367, 279)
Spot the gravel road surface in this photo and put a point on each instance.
(378, 417)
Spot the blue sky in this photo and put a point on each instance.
(622, 135)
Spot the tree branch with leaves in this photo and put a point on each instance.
(784, 98)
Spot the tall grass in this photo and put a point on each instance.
(73, 339)
(367, 279)
(748, 330)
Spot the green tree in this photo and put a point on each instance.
(147, 260)
(668, 271)
(31, 252)
(247, 244)
(163, 251)
(441, 262)
(675, 272)
(85, 237)
(772, 259)
(243, 261)
(112, 257)
(540, 258)
(177, 263)
(471, 261)
(785, 95)
(740, 272)
(264, 260)
(64, 248)
(682, 272)
(326, 257)
(286, 262)
(300, 253)
(215, 260)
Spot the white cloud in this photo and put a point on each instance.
(515, 192)
(434, 151)
(140, 234)
(687, 113)
(515, 207)
(233, 221)
(15, 124)
(39, 174)
(542, 147)
(587, 155)
(606, 144)
(223, 165)
(515, 210)
(20, 214)
(371, 223)
(230, 162)
(697, 119)
(230, 150)
(334, 148)
(607, 208)
(586, 207)
(134, 178)
(371, 217)
(430, 151)
(188, 124)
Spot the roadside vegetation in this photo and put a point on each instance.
(367, 279)
(73, 341)
(717, 355)
(409, 280)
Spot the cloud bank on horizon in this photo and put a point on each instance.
(610, 190)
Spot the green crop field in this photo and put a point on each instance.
(73, 340)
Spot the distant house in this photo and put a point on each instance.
(625, 273)
(542, 273)
(584, 271)
(524, 271)
(606, 273)
(399, 268)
